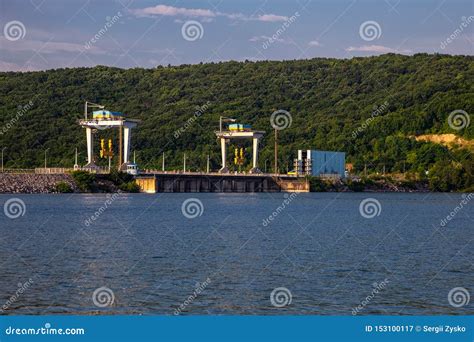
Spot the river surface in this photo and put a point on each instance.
(268, 254)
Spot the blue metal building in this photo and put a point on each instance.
(321, 163)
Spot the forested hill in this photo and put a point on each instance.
(372, 108)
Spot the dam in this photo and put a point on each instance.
(218, 182)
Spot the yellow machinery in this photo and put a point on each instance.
(239, 157)
(106, 153)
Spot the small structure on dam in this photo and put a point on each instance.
(101, 120)
(238, 132)
(320, 163)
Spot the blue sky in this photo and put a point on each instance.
(48, 34)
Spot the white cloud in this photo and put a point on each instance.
(6, 66)
(203, 14)
(46, 47)
(375, 48)
(29, 66)
(173, 11)
(314, 43)
(268, 39)
(262, 38)
(235, 16)
(271, 17)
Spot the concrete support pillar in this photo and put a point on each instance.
(255, 153)
(255, 157)
(90, 146)
(127, 134)
(224, 168)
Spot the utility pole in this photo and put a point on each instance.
(207, 163)
(76, 166)
(3, 149)
(45, 158)
(92, 105)
(276, 151)
(163, 163)
(224, 119)
(184, 162)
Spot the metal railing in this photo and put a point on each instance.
(11, 171)
(63, 170)
(180, 172)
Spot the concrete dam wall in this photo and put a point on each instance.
(163, 182)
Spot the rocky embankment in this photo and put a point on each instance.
(377, 184)
(33, 183)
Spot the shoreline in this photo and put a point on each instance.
(71, 183)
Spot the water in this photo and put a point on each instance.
(319, 247)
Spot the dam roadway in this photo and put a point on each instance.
(158, 181)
